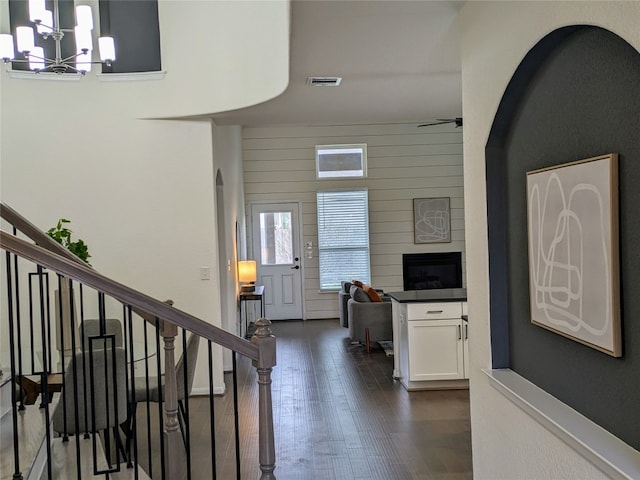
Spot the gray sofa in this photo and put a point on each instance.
(369, 321)
(343, 298)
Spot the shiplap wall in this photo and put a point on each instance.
(404, 162)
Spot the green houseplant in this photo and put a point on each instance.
(61, 234)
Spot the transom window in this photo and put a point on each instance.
(341, 161)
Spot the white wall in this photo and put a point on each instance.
(496, 36)
(141, 192)
(227, 159)
(404, 162)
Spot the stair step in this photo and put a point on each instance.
(5, 392)
(32, 450)
(63, 461)
(31, 434)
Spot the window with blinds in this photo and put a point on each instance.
(343, 237)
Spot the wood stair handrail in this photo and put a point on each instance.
(79, 271)
(45, 241)
(34, 233)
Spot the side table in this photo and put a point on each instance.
(256, 295)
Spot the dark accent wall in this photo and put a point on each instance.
(135, 28)
(576, 95)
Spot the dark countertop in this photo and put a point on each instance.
(434, 295)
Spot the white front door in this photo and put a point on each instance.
(275, 230)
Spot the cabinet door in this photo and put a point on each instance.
(435, 350)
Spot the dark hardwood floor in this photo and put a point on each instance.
(338, 414)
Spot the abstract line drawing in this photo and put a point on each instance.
(573, 257)
(432, 220)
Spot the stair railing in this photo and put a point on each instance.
(261, 349)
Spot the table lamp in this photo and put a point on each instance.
(247, 275)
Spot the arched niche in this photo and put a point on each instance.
(575, 95)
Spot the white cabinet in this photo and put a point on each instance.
(432, 344)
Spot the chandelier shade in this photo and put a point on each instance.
(47, 26)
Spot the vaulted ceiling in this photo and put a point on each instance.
(399, 62)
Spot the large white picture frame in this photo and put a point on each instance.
(574, 279)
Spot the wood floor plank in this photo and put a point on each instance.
(338, 414)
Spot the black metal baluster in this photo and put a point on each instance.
(128, 360)
(17, 475)
(45, 388)
(103, 338)
(131, 418)
(184, 407)
(83, 345)
(46, 370)
(74, 365)
(212, 413)
(235, 412)
(48, 316)
(148, 412)
(65, 437)
(18, 322)
(31, 330)
(93, 408)
(160, 396)
(146, 377)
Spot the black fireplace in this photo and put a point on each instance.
(423, 271)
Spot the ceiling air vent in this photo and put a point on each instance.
(324, 81)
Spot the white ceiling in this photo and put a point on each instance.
(399, 62)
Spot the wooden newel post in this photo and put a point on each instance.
(174, 454)
(266, 343)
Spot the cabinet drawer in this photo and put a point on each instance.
(433, 310)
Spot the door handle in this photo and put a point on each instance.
(466, 332)
(459, 333)
(296, 267)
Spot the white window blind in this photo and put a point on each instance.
(343, 237)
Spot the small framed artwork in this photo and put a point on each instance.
(431, 220)
(572, 217)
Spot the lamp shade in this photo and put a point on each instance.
(36, 59)
(107, 48)
(36, 10)
(247, 272)
(46, 27)
(83, 62)
(25, 39)
(83, 39)
(6, 47)
(84, 17)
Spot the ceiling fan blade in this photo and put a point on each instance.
(442, 121)
(434, 123)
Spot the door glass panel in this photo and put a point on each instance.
(276, 238)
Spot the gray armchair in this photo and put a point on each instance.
(94, 398)
(368, 321)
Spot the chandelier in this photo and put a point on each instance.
(47, 24)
